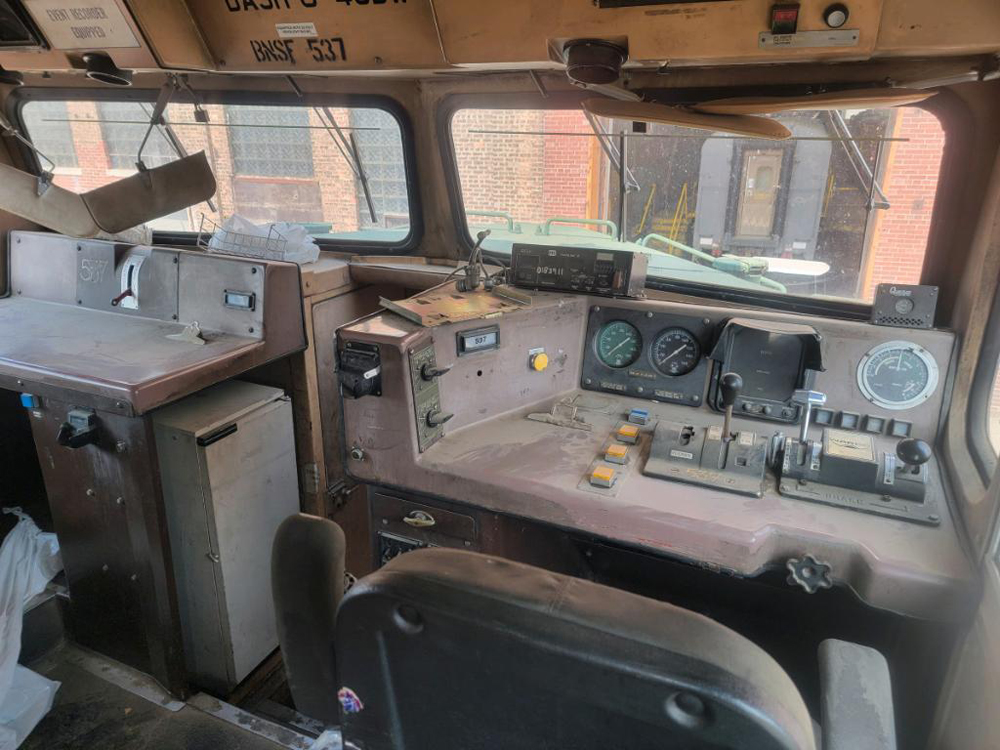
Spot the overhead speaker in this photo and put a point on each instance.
(593, 61)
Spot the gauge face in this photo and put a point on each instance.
(618, 344)
(897, 375)
(675, 352)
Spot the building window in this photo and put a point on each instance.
(279, 146)
(122, 139)
(382, 158)
(50, 132)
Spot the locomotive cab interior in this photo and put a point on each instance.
(439, 373)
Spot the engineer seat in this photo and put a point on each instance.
(452, 649)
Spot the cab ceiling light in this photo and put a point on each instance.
(102, 68)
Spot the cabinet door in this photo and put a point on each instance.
(253, 488)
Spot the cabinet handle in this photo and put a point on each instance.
(418, 519)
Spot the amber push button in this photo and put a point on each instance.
(616, 453)
(628, 433)
(603, 476)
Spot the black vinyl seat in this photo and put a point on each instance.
(452, 649)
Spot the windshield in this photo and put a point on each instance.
(272, 163)
(802, 216)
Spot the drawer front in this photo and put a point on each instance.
(423, 523)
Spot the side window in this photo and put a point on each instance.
(49, 125)
(272, 162)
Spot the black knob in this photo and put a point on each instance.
(730, 386)
(913, 452)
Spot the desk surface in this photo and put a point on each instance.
(513, 465)
(114, 357)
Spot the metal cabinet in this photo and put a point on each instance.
(227, 458)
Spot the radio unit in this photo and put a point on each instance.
(609, 273)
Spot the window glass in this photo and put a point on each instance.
(794, 217)
(271, 163)
(48, 123)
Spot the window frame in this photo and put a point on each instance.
(407, 246)
(977, 422)
(844, 309)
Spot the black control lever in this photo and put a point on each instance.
(914, 453)
(429, 371)
(730, 386)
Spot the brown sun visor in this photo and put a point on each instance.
(113, 208)
(854, 99)
(151, 193)
(752, 127)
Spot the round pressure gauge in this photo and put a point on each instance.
(897, 375)
(675, 352)
(618, 344)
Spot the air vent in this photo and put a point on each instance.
(17, 31)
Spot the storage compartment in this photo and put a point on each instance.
(227, 459)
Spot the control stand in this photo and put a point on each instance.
(846, 469)
(711, 456)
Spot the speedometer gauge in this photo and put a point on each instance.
(897, 375)
(618, 344)
(675, 352)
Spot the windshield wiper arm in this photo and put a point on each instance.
(866, 177)
(170, 135)
(348, 148)
(610, 151)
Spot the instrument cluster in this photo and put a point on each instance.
(678, 359)
(650, 355)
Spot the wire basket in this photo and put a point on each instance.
(216, 239)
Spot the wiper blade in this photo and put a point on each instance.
(348, 148)
(610, 151)
(167, 131)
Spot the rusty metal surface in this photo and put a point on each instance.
(494, 458)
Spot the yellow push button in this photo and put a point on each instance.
(616, 453)
(602, 476)
(538, 361)
(628, 433)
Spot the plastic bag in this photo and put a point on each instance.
(29, 559)
(240, 236)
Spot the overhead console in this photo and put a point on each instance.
(286, 36)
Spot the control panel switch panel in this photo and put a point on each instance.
(700, 456)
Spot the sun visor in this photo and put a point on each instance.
(855, 99)
(111, 209)
(54, 207)
(152, 193)
(812, 353)
(752, 127)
